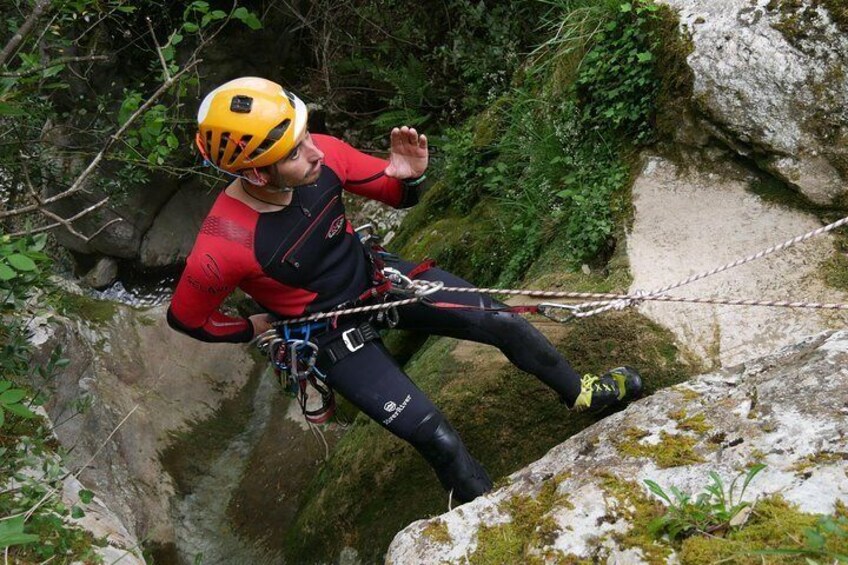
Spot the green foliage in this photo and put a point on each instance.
(12, 533)
(617, 84)
(553, 153)
(19, 268)
(35, 525)
(421, 64)
(11, 401)
(713, 511)
(66, 90)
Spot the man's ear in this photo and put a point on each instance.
(256, 177)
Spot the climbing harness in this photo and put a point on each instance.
(294, 356)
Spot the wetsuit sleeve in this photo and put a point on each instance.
(365, 174)
(203, 286)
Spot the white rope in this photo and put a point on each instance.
(604, 301)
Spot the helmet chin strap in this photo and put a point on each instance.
(275, 185)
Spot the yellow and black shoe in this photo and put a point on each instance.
(618, 386)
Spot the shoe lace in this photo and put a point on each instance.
(587, 381)
(595, 384)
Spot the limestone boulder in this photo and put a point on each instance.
(770, 81)
(587, 499)
(690, 220)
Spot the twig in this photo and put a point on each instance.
(60, 221)
(158, 49)
(24, 30)
(53, 63)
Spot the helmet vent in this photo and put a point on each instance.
(273, 137)
(222, 147)
(241, 146)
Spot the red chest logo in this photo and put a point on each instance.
(336, 227)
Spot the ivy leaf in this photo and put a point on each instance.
(86, 496)
(21, 411)
(190, 27)
(172, 141)
(21, 262)
(77, 512)
(626, 7)
(12, 396)
(645, 57)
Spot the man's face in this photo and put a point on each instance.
(302, 165)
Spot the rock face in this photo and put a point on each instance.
(787, 411)
(170, 238)
(770, 79)
(691, 221)
(134, 381)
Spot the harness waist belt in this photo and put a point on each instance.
(350, 341)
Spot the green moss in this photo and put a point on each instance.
(524, 538)
(818, 459)
(687, 393)
(489, 125)
(146, 320)
(437, 531)
(835, 269)
(472, 246)
(774, 524)
(99, 312)
(671, 451)
(636, 507)
(697, 423)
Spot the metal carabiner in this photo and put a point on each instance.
(294, 346)
(573, 309)
(263, 340)
(426, 288)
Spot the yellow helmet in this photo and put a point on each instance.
(249, 122)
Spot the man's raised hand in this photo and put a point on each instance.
(408, 156)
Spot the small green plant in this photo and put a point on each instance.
(714, 511)
(11, 401)
(816, 541)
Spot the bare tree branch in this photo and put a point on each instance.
(24, 30)
(158, 49)
(53, 63)
(60, 221)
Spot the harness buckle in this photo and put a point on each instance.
(348, 339)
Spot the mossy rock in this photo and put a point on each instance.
(480, 394)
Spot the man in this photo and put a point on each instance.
(279, 232)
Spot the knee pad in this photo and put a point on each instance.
(441, 446)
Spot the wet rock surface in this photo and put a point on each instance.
(131, 383)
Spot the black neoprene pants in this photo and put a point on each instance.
(373, 381)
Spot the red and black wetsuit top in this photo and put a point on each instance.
(302, 259)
